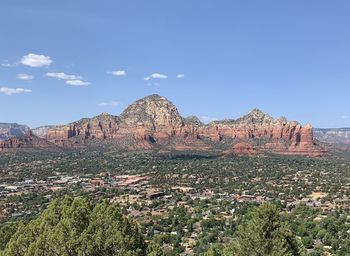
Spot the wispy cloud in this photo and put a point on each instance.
(344, 116)
(118, 73)
(77, 82)
(6, 64)
(63, 76)
(207, 119)
(35, 60)
(11, 91)
(74, 80)
(23, 76)
(180, 76)
(156, 76)
(152, 84)
(109, 104)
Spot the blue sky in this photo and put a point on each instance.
(64, 60)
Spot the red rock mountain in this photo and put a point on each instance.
(26, 142)
(154, 122)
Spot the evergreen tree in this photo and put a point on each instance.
(78, 227)
(155, 249)
(263, 233)
(215, 250)
(6, 232)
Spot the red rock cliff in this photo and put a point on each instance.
(154, 120)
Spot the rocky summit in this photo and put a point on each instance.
(155, 123)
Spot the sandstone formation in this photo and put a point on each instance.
(42, 130)
(12, 130)
(154, 122)
(27, 141)
(243, 148)
(334, 135)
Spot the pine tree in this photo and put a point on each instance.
(263, 233)
(78, 227)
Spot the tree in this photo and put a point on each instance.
(155, 249)
(263, 233)
(78, 227)
(215, 250)
(6, 232)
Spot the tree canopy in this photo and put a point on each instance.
(78, 227)
(262, 232)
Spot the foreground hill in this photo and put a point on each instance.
(155, 123)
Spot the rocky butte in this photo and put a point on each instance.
(154, 122)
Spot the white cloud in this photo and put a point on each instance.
(35, 60)
(344, 117)
(208, 119)
(23, 76)
(70, 79)
(11, 91)
(8, 65)
(156, 76)
(118, 73)
(63, 76)
(180, 76)
(109, 104)
(77, 82)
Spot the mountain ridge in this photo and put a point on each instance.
(333, 135)
(8, 130)
(155, 122)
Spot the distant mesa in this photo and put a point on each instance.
(154, 122)
(12, 130)
(334, 135)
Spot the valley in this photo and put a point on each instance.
(184, 200)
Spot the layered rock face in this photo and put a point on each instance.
(12, 130)
(42, 130)
(333, 136)
(100, 127)
(27, 141)
(154, 121)
(148, 121)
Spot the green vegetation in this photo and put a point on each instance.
(263, 233)
(207, 202)
(79, 227)
(76, 227)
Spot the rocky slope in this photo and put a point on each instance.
(26, 142)
(333, 136)
(12, 130)
(42, 130)
(154, 122)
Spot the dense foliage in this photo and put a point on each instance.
(82, 228)
(77, 227)
(202, 209)
(262, 232)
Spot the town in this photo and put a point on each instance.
(186, 202)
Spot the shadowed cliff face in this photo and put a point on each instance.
(154, 121)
